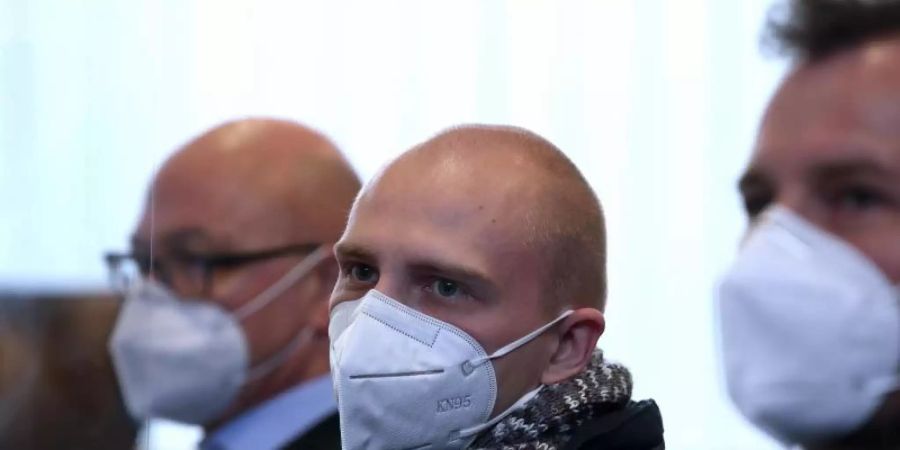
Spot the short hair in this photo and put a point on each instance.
(570, 230)
(812, 30)
(566, 226)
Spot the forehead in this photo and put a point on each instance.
(190, 206)
(842, 107)
(470, 212)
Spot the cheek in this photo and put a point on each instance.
(234, 288)
(232, 291)
(890, 263)
(286, 313)
(882, 246)
(519, 372)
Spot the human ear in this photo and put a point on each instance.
(578, 335)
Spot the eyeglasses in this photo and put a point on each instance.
(186, 273)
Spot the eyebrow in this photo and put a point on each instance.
(848, 167)
(823, 170)
(454, 271)
(465, 274)
(350, 250)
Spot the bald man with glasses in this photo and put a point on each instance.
(226, 285)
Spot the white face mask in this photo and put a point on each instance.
(405, 380)
(810, 331)
(186, 360)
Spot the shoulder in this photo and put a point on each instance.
(637, 426)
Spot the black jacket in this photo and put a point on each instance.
(636, 427)
(326, 435)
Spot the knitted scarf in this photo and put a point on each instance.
(548, 421)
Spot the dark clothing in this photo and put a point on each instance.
(637, 427)
(593, 410)
(326, 435)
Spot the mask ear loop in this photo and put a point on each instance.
(472, 431)
(267, 296)
(273, 362)
(469, 366)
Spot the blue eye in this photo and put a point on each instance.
(363, 273)
(446, 288)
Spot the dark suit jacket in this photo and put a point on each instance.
(326, 435)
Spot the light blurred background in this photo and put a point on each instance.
(657, 101)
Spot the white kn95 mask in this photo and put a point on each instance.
(405, 380)
(810, 331)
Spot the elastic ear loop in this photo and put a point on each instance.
(471, 431)
(469, 366)
(299, 271)
(266, 297)
(273, 362)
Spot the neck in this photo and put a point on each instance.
(306, 363)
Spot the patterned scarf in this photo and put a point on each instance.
(548, 421)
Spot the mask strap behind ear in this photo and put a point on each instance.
(502, 351)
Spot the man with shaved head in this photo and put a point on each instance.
(225, 319)
(469, 303)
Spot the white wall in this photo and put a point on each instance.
(656, 100)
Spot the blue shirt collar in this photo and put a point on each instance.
(278, 421)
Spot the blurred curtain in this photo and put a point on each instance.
(656, 100)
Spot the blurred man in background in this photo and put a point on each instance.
(810, 311)
(225, 319)
(469, 304)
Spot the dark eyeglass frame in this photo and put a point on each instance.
(207, 264)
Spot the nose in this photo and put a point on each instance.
(800, 200)
(392, 286)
